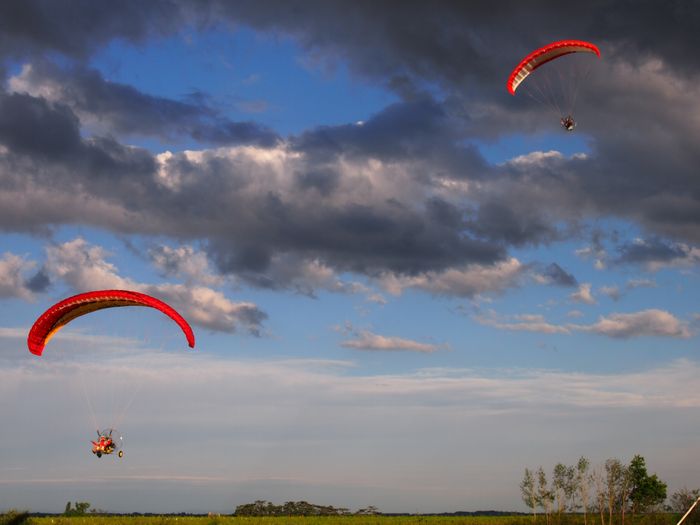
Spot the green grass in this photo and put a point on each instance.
(93, 519)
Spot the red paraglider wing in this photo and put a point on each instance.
(545, 54)
(65, 311)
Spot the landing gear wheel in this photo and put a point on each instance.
(99, 454)
(120, 454)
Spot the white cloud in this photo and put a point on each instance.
(13, 272)
(598, 254)
(583, 294)
(611, 291)
(640, 283)
(690, 258)
(83, 267)
(469, 281)
(23, 83)
(324, 418)
(524, 322)
(184, 262)
(652, 322)
(366, 340)
(647, 323)
(536, 158)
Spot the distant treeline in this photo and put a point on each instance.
(296, 508)
(304, 508)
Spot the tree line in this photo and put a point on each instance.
(296, 508)
(608, 493)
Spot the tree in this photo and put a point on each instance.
(545, 498)
(289, 508)
(529, 494)
(80, 509)
(571, 488)
(646, 491)
(615, 473)
(682, 500)
(14, 517)
(600, 494)
(559, 488)
(582, 485)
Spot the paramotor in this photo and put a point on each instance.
(557, 91)
(65, 311)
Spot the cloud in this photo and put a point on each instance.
(184, 262)
(114, 108)
(34, 126)
(406, 193)
(556, 275)
(645, 323)
(386, 217)
(13, 277)
(86, 29)
(366, 340)
(583, 294)
(652, 323)
(523, 322)
(611, 291)
(640, 283)
(656, 254)
(596, 251)
(84, 267)
(535, 158)
(469, 281)
(615, 293)
(284, 413)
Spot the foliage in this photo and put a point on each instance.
(682, 500)
(290, 508)
(647, 491)
(14, 517)
(80, 509)
(611, 491)
(527, 490)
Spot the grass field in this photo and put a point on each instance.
(92, 519)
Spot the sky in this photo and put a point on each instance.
(406, 285)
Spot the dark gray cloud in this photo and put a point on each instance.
(634, 109)
(39, 282)
(653, 251)
(469, 45)
(33, 126)
(120, 109)
(375, 212)
(406, 191)
(557, 275)
(77, 29)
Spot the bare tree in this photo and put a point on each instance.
(528, 491)
(583, 479)
(598, 480)
(681, 500)
(626, 486)
(570, 488)
(559, 488)
(616, 486)
(545, 498)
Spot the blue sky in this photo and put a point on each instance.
(406, 285)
